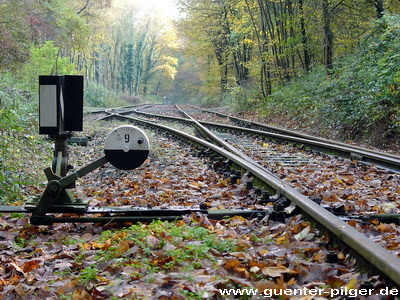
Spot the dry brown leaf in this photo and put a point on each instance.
(30, 266)
(232, 264)
(152, 241)
(318, 257)
(276, 271)
(387, 227)
(335, 282)
(124, 246)
(81, 294)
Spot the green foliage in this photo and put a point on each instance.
(17, 122)
(14, 32)
(69, 23)
(361, 100)
(45, 60)
(88, 275)
(300, 99)
(9, 184)
(240, 98)
(269, 42)
(162, 246)
(97, 95)
(369, 83)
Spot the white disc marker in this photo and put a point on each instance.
(127, 147)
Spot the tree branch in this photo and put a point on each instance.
(83, 8)
(334, 7)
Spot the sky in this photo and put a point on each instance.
(167, 8)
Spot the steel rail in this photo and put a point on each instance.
(223, 143)
(371, 252)
(362, 155)
(295, 133)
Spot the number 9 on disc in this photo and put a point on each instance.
(127, 147)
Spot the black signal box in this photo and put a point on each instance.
(60, 104)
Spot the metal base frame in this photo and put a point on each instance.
(57, 200)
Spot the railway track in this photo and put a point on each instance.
(288, 230)
(226, 122)
(250, 160)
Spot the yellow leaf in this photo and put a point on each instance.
(282, 240)
(375, 222)
(103, 279)
(352, 284)
(318, 257)
(387, 227)
(222, 182)
(237, 219)
(338, 180)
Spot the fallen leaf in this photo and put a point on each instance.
(352, 284)
(31, 265)
(302, 234)
(254, 269)
(388, 206)
(276, 271)
(289, 209)
(339, 180)
(81, 294)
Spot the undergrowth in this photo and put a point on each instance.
(19, 143)
(160, 247)
(359, 100)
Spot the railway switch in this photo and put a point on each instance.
(61, 113)
(126, 147)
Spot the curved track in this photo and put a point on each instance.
(225, 154)
(363, 155)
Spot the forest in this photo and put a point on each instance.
(331, 66)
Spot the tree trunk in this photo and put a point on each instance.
(264, 74)
(328, 35)
(304, 38)
(379, 8)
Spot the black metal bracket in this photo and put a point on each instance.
(57, 199)
(56, 195)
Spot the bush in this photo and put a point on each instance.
(241, 98)
(361, 100)
(301, 99)
(370, 83)
(96, 95)
(18, 117)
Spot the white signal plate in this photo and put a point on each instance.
(127, 147)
